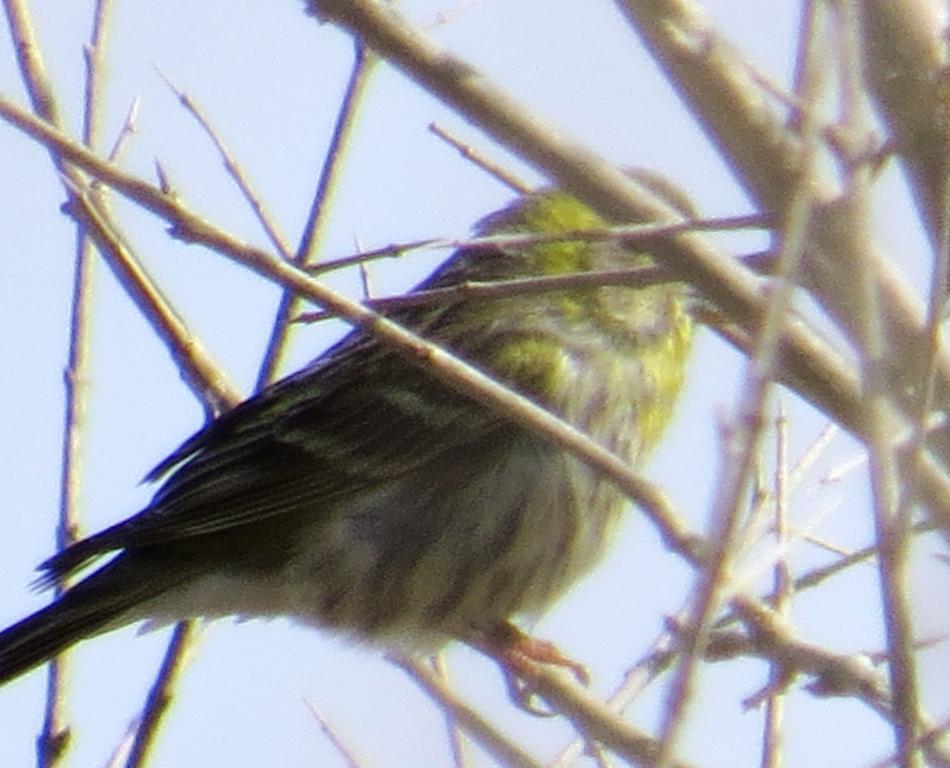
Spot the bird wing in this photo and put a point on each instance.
(360, 416)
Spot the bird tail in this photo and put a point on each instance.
(102, 601)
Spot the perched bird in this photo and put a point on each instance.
(364, 495)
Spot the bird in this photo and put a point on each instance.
(364, 496)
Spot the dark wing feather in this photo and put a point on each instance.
(359, 416)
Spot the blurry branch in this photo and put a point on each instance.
(635, 681)
(773, 736)
(765, 635)
(207, 381)
(310, 238)
(742, 444)
(161, 695)
(454, 733)
(30, 60)
(906, 68)
(56, 734)
(77, 377)
(817, 576)
(490, 167)
(630, 236)
(577, 169)
(839, 240)
(807, 363)
(503, 289)
(203, 376)
(767, 156)
(768, 637)
(433, 359)
(234, 169)
(834, 674)
(467, 717)
(891, 501)
(346, 753)
(214, 391)
(770, 160)
(816, 370)
(593, 719)
(718, 86)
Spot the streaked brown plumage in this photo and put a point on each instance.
(364, 495)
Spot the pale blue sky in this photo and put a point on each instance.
(270, 79)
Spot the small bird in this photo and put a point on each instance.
(364, 495)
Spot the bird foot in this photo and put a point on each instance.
(518, 654)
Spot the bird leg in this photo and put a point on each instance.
(518, 654)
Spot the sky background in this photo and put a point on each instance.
(270, 79)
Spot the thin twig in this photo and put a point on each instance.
(316, 219)
(595, 720)
(742, 448)
(484, 733)
(635, 681)
(162, 692)
(234, 169)
(492, 169)
(456, 737)
(345, 752)
(885, 471)
(206, 379)
(781, 599)
(55, 735)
